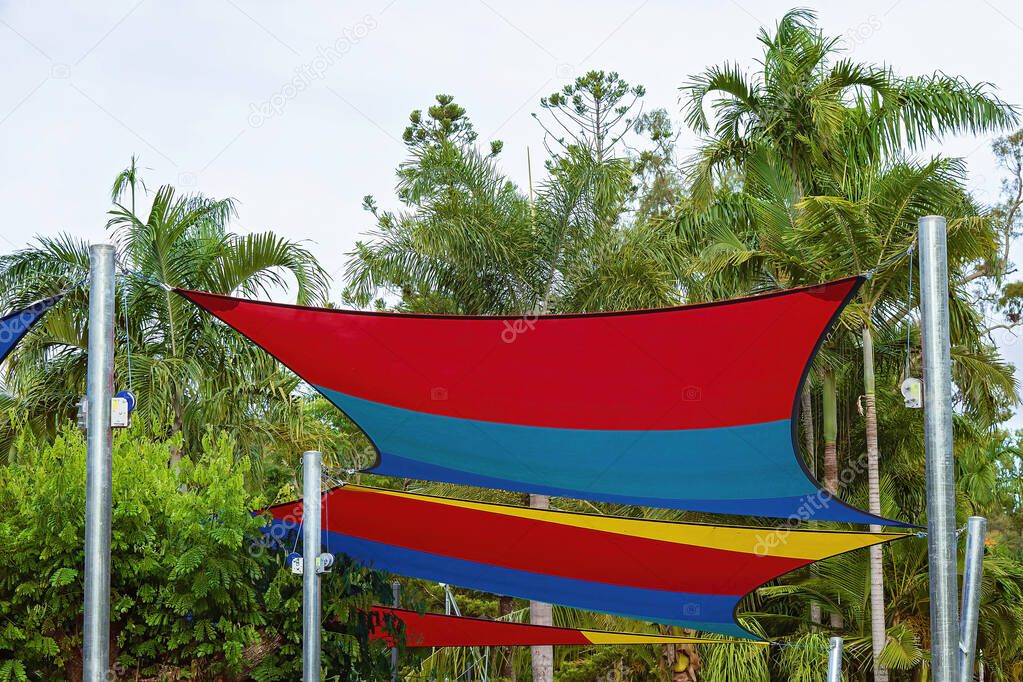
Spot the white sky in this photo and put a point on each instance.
(182, 84)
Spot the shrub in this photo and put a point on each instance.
(194, 593)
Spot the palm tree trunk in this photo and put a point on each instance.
(878, 634)
(810, 446)
(829, 415)
(806, 417)
(541, 614)
(829, 405)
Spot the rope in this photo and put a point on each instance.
(468, 670)
(796, 645)
(127, 331)
(909, 306)
(301, 524)
(324, 506)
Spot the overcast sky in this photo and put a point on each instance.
(296, 109)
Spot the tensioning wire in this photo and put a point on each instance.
(909, 306)
(884, 264)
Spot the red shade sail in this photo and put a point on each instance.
(688, 408)
(438, 630)
(692, 575)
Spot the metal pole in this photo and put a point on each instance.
(312, 467)
(835, 660)
(396, 603)
(451, 604)
(973, 571)
(941, 535)
(99, 393)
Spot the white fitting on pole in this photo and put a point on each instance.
(973, 571)
(941, 532)
(99, 392)
(312, 466)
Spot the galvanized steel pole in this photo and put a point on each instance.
(835, 660)
(973, 571)
(311, 510)
(99, 393)
(941, 535)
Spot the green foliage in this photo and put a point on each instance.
(445, 123)
(469, 241)
(592, 113)
(736, 663)
(193, 587)
(183, 241)
(659, 179)
(821, 111)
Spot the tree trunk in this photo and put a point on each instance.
(878, 634)
(829, 415)
(810, 457)
(504, 607)
(809, 437)
(829, 405)
(541, 614)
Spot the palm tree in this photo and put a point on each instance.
(762, 237)
(819, 111)
(826, 116)
(189, 372)
(874, 216)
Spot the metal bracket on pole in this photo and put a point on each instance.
(973, 571)
(835, 660)
(99, 391)
(941, 531)
(312, 467)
